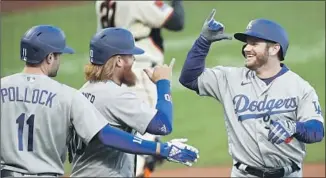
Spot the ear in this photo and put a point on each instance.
(120, 61)
(274, 49)
(49, 58)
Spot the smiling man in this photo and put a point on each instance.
(270, 111)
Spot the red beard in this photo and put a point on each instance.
(129, 78)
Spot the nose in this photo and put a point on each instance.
(247, 48)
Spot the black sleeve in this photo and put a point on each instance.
(176, 21)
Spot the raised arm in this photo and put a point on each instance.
(140, 116)
(162, 122)
(194, 65)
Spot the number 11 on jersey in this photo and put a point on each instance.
(21, 124)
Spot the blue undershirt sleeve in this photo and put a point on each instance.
(194, 64)
(125, 142)
(162, 122)
(310, 131)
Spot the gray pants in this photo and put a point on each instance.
(8, 173)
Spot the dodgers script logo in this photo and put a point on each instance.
(263, 108)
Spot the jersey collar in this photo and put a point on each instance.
(281, 72)
(260, 85)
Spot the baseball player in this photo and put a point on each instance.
(107, 71)
(37, 112)
(145, 20)
(266, 105)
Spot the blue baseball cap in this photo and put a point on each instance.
(112, 41)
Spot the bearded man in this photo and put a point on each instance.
(109, 76)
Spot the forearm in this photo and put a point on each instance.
(194, 64)
(176, 20)
(128, 143)
(310, 131)
(161, 124)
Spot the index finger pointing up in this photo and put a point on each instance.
(211, 15)
(172, 63)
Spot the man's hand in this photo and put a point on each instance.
(160, 72)
(177, 151)
(212, 30)
(281, 131)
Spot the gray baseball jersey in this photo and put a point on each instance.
(123, 110)
(249, 105)
(36, 113)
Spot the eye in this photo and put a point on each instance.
(254, 43)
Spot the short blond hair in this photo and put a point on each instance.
(96, 73)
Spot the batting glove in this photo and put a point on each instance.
(281, 130)
(212, 30)
(177, 151)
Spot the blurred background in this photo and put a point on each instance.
(197, 118)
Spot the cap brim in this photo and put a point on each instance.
(68, 50)
(241, 37)
(134, 51)
(137, 51)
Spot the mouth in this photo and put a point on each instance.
(249, 57)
